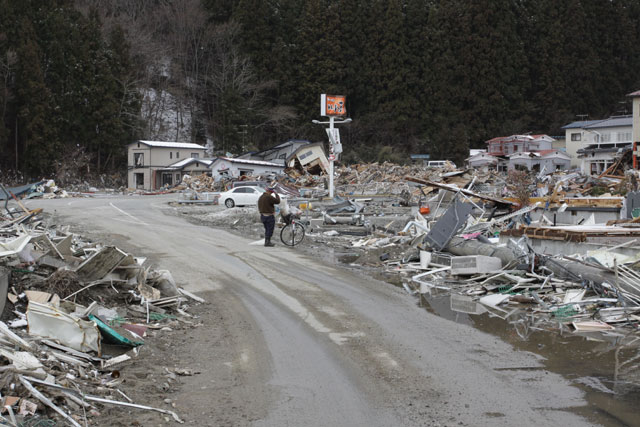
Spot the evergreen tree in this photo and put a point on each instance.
(257, 38)
(38, 144)
(478, 73)
(319, 67)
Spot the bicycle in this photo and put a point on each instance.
(293, 231)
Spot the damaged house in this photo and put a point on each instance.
(310, 158)
(172, 174)
(227, 167)
(278, 153)
(482, 159)
(544, 160)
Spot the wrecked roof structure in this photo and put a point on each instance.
(277, 153)
(228, 167)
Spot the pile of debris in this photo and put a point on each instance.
(48, 189)
(489, 244)
(199, 183)
(73, 311)
(42, 189)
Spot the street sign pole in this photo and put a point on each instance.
(331, 159)
(332, 106)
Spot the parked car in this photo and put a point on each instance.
(241, 196)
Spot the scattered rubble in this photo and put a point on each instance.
(559, 248)
(75, 312)
(555, 252)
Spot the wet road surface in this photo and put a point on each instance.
(319, 345)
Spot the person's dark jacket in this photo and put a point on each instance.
(267, 202)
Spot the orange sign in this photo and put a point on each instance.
(333, 105)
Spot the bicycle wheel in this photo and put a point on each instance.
(292, 234)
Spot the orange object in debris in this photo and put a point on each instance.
(425, 210)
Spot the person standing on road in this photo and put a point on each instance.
(266, 206)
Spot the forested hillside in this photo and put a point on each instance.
(422, 76)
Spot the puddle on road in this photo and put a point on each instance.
(605, 365)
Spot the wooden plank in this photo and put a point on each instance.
(19, 203)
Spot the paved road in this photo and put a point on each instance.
(320, 346)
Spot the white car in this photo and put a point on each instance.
(241, 196)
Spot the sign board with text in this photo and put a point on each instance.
(333, 105)
(334, 136)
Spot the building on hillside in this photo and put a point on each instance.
(227, 167)
(146, 159)
(596, 142)
(547, 161)
(278, 153)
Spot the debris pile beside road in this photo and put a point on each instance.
(198, 183)
(522, 243)
(559, 248)
(75, 313)
(48, 189)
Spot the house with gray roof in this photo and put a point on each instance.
(596, 142)
(148, 162)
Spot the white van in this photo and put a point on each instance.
(439, 164)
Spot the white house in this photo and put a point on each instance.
(227, 167)
(147, 162)
(596, 142)
(482, 159)
(547, 160)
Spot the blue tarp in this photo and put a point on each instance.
(18, 191)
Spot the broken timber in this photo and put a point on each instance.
(461, 190)
(568, 234)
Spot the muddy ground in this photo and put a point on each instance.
(169, 365)
(319, 242)
(208, 394)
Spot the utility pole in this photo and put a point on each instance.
(333, 106)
